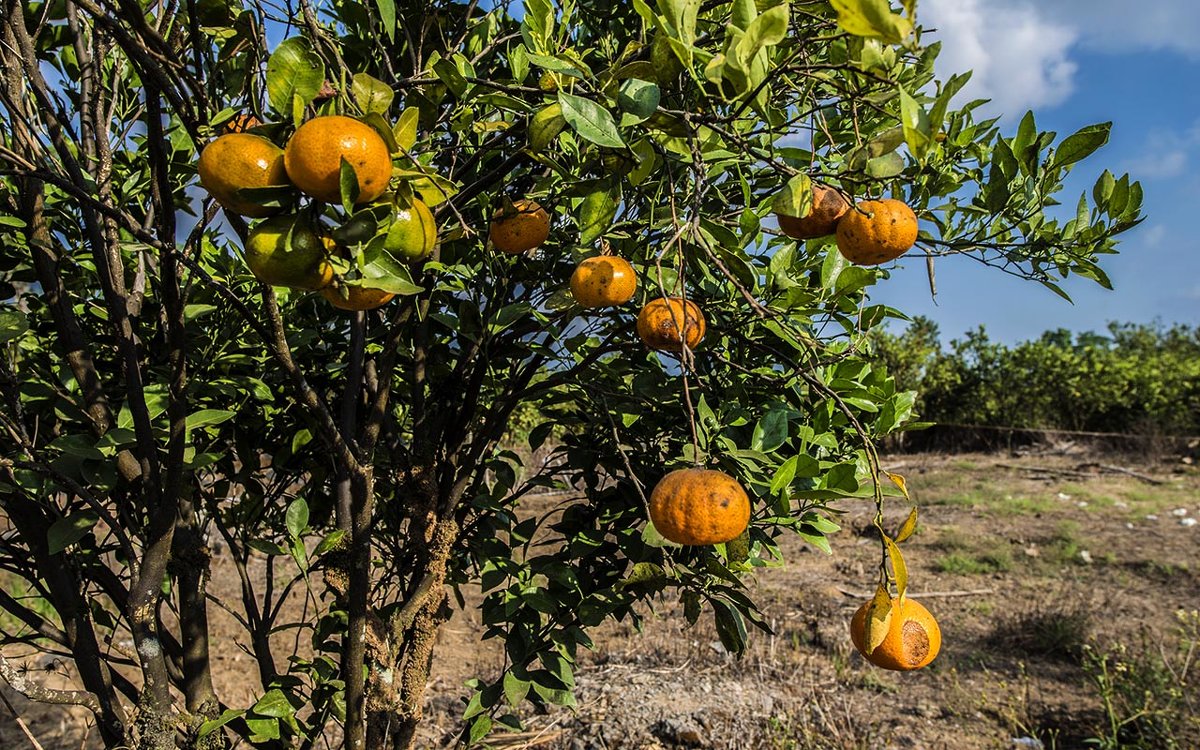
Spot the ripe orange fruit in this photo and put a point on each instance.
(358, 297)
(413, 232)
(241, 123)
(603, 281)
(241, 160)
(913, 638)
(304, 264)
(828, 206)
(662, 321)
(877, 231)
(699, 506)
(314, 158)
(521, 228)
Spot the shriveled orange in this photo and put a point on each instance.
(314, 158)
(877, 231)
(699, 506)
(603, 281)
(521, 228)
(301, 263)
(356, 297)
(828, 206)
(665, 324)
(235, 161)
(913, 638)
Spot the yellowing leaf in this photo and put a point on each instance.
(899, 481)
(899, 568)
(908, 527)
(872, 18)
(879, 618)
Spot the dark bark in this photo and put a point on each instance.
(66, 594)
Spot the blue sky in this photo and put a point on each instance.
(1074, 63)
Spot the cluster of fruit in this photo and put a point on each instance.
(873, 232)
(249, 175)
(246, 173)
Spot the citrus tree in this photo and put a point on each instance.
(278, 279)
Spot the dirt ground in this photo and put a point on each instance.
(1024, 560)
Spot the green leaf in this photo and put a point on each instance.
(213, 725)
(275, 704)
(68, 530)
(348, 185)
(731, 626)
(262, 730)
(450, 75)
(771, 431)
(872, 18)
(515, 689)
(796, 197)
(883, 167)
(479, 728)
(266, 547)
(785, 474)
(1103, 189)
(302, 438)
(643, 572)
(208, 417)
(331, 540)
(387, 16)
(294, 74)
(639, 98)
(405, 129)
(913, 118)
(390, 275)
(596, 214)
(591, 121)
(537, 25)
(12, 324)
(1079, 145)
(371, 94)
(297, 517)
(518, 62)
(545, 126)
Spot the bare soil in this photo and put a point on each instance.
(1022, 559)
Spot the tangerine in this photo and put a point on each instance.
(603, 281)
(235, 161)
(828, 206)
(357, 297)
(699, 506)
(666, 324)
(913, 638)
(877, 231)
(302, 263)
(315, 152)
(519, 229)
(413, 232)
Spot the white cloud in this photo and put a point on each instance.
(1166, 153)
(1154, 236)
(1160, 164)
(1121, 26)
(1019, 56)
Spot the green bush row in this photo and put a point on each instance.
(1142, 379)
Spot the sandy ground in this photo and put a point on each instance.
(1021, 558)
